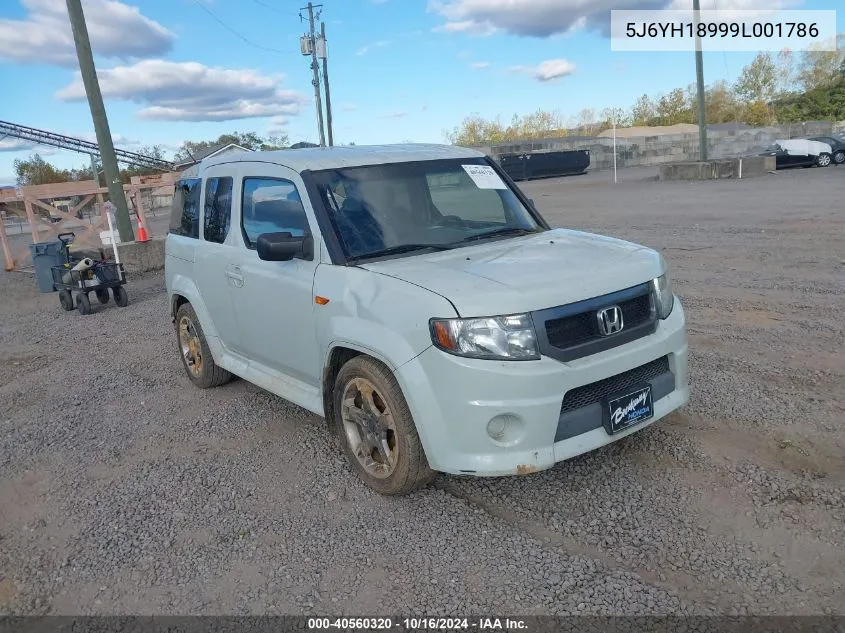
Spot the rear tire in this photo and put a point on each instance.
(374, 423)
(102, 296)
(196, 355)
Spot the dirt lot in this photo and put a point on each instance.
(125, 490)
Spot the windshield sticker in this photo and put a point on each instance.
(484, 177)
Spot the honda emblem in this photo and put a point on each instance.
(610, 320)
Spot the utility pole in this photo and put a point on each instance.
(315, 69)
(699, 76)
(326, 79)
(101, 122)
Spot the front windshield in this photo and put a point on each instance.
(407, 207)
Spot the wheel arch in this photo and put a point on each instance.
(183, 290)
(337, 356)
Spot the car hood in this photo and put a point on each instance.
(527, 273)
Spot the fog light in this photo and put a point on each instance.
(506, 429)
(496, 428)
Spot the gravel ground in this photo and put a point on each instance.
(124, 490)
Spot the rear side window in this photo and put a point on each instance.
(271, 205)
(218, 209)
(185, 212)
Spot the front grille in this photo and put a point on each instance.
(581, 328)
(596, 391)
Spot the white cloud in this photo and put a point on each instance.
(544, 18)
(278, 126)
(120, 141)
(279, 121)
(470, 27)
(371, 47)
(116, 30)
(190, 91)
(20, 145)
(480, 65)
(15, 145)
(547, 70)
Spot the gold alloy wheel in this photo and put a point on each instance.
(189, 342)
(370, 428)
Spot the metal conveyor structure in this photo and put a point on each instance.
(60, 141)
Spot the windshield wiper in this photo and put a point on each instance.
(512, 230)
(401, 248)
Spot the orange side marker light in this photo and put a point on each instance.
(320, 301)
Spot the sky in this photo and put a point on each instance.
(399, 70)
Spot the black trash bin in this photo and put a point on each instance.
(45, 255)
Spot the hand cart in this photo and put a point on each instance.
(99, 278)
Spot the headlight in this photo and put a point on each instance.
(494, 338)
(663, 295)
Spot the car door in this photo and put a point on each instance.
(217, 250)
(274, 301)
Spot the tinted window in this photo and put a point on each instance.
(218, 209)
(185, 212)
(271, 206)
(442, 203)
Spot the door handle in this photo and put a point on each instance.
(235, 275)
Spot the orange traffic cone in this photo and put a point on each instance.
(142, 233)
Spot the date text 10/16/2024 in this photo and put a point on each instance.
(416, 624)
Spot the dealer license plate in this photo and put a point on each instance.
(625, 410)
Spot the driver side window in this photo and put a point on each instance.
(271, 205)
(455, 193)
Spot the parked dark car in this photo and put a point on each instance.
(837, 144)
(799, 153)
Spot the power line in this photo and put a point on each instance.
(234, 32)
(271, 7)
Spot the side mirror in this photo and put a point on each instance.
(283, 247)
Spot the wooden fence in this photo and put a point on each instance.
(89, 197)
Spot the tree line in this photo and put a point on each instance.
(780, 88)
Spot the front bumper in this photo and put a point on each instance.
(453, 401)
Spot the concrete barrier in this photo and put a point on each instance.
(140, 257)
(746, 167)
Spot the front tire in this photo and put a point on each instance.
(120, 296)
(83, 304)
(378, 432)
(196, 355)
(839, 157)
(824, 160)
